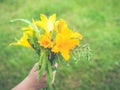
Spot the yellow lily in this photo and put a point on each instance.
(46, 24)
(65, 40)
(45, 41)
(24, 39)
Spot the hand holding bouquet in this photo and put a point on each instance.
(50, 39)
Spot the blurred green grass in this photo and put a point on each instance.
(97, 20)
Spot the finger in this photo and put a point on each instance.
(34, 68)
(44, 74)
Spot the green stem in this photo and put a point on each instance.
(46, 66)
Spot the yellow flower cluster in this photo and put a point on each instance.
(63, 41)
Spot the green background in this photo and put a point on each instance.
(97, 20)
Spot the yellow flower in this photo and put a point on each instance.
(46, 24)
(45, 41)
(65, 40)
(24, 39)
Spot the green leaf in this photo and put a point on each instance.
(42, 31)
(28, 22)
(42, 61)
(30, 40)
(53, 34)
(42, 69)
(49, 70)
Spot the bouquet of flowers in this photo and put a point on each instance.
(50, 39)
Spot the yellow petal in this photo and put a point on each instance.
(65, 54)
(22, 42)
(52, 18)
(45, 41)
(24, 39)
(62, 25)
(43, 18)
(40, 24)
(55, 49)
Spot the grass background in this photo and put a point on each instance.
(97, 20)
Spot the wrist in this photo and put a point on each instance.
(26, 84)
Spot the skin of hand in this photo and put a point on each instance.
(31, 82)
